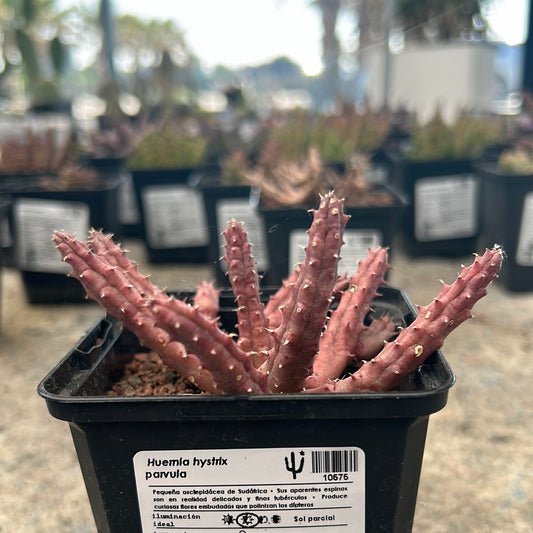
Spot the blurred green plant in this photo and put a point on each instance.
(160, 63)
(336, 137)
(169, 146)
(466, 138)
(518, 158)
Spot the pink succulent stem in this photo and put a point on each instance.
(372, 339)
(103, 245)
(231, 368)
(426, 333)
(339, 342)
(254, 336)
(273, 306)
(167, 326)
(304, 313)
(206, 299)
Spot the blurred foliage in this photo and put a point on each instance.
(160, 64)
(517, 160)
(291, 183)
(336, 136)
(171, 145)
(466, 138)
(36, 153)
(441, 20)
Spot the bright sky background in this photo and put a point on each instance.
(240, 32)
(251, 32)
(509, 20)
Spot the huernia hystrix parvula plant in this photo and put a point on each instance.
(295, 342)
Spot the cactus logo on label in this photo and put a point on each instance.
(291, 467)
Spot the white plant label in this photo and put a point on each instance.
(35, 222)
(377, 173)
(241, 210)
(260, 489)
(524, 249)
(354, 249)
(446, 207)
(128, 212)
(174, 217)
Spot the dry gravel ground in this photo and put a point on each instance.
(476, 476)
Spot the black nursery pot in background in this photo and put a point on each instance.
(36, 212)
(227, 202)
(369, 226)
(128, 211)
(443, 217)
(173, 221)
(507, 208)
(275, 462)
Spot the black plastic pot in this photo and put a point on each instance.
(507, 208)
(128, 212)
(226, 202)
(8, 183)
(172, 216)
(275, 460)
(443, 217)
(369, 226)
(36, 212)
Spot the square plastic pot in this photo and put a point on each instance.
(443, 216)
(507, 209)
(285, 230)
(226, 202)
(36, 213)
(128, 212)
(172, 216)
(277, 460)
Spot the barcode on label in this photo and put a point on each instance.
(334, 461)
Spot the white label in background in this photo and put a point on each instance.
(355, 248)
(524, 249)
(241, 210)
(174, 216)
(35, 222)
(128, 212)
(377, 173)
(446, 207)
(262, 489)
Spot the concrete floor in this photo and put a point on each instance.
(477, 474)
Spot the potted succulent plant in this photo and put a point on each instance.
(291, 423)
(107, 150)
(507, 210)
(48, 189)
(287, 189)
(435, 172)
(286, 141)
(166, 166)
